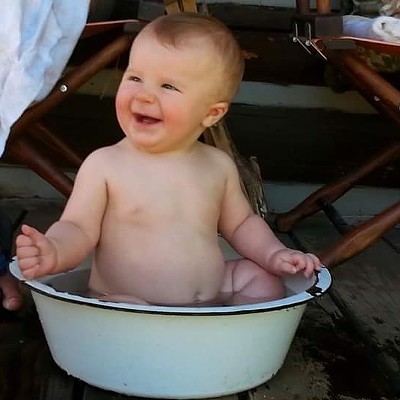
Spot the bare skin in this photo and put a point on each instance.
(11, 295)
(151, 205)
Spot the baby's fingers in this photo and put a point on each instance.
(31, 233)
(298, 261)
(32, 237)
(311, 264)
(316, 261)
(26, 247)
(293, 264)
(23, 241)
(29, 269)
(33, 267)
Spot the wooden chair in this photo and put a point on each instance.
(342, 53)
(23, 144)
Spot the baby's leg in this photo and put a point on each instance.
(116, 298)
(249, 283)
(122, 298)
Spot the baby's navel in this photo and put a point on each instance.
(197, 298)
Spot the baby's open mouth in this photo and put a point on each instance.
(146, 119)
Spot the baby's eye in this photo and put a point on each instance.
(169, 87)
(133, 78)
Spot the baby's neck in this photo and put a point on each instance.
(168, 153)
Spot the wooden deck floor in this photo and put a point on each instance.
(346, 347)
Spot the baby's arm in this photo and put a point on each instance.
(40, 254)
(68, 241)
(252, 238)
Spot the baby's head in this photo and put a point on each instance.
(199, 31)
(183, 72)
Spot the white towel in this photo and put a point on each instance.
(37, 38)
(382, 28)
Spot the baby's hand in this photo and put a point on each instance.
(289, 261)
(37, 255)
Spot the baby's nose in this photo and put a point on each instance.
(145, 95)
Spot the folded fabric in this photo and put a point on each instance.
(382, 28)
(37, 38)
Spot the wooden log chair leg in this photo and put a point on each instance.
(72, 81)
(303, 6)
(361, 237)
(332, 191)
(323, 6)
(385, 98)
(24, 150)
(42, 132)
(382, 95)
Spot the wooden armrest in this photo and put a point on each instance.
(95, 28)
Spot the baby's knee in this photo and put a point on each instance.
(272, 284)
(253, 281)
(277, 288)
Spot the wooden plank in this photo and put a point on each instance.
(58, 386)
(253, 16)
(94, 393)
(189, 5)
(271, 56)
(393, 237)
(12, 208)
(365, 289)
(338, 143)
(23, 356)
(9, 365)
(301, 378)
(172, 6)
(41, 214)
(36, 212)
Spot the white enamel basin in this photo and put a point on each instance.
(168, 352)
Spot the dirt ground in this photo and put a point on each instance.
(325, 361)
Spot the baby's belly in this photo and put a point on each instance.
(168, 269)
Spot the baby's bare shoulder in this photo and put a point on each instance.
(102, 157)
(97, 164)
(218, 156)
(103, 154)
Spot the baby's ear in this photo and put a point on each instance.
(216, 112)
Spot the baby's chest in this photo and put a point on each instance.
(166, 198)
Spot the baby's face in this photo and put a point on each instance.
(168, 96)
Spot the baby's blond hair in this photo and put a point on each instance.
(183, 28)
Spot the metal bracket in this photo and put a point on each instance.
(306, 42)
(313, 25)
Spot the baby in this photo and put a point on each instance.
(150, 206)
